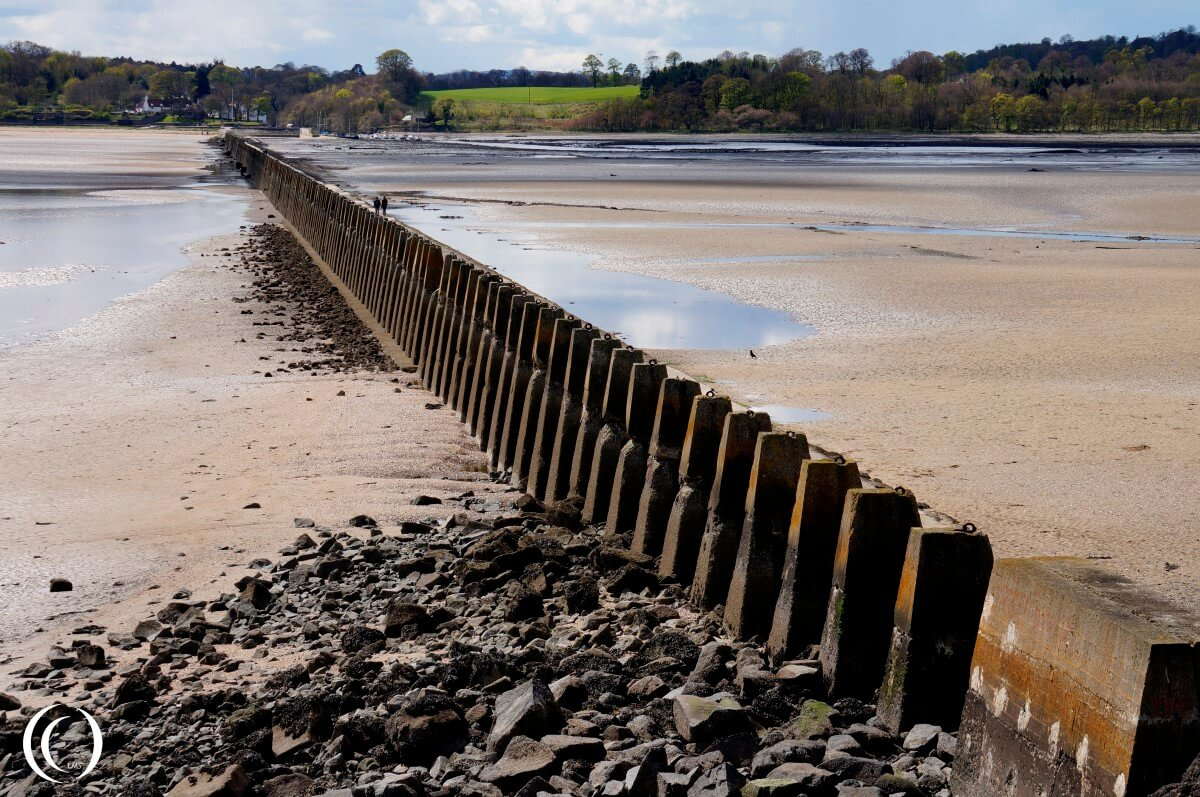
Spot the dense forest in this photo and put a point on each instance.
(1105, 84)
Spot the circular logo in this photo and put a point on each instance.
(72, 771)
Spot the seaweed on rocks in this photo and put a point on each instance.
(305, 307)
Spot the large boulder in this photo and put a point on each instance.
(526, 710)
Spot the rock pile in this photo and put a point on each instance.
(304, 306)
(502, 652)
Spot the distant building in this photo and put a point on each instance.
(152, 105)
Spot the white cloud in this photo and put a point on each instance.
(547, 33)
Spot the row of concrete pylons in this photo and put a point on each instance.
(741, 514)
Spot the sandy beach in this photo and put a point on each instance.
(1040, 385)
(133, 439)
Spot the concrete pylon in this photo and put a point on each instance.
(697, 467)
(514, 384)
(630, 478)
(508, 307)
(610, 439)
(866, 579)
(727, 507)
(808, 563)
(942, 588)
(543, 344)
(591, 420)
(662, 467)
(481, 335)
(468, 348)
(1082, 683)
(570, 413)
(770, 498)
(546, 423)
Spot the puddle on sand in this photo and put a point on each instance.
(783, 414)
(647, 312)
(68, 253)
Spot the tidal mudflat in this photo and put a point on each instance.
(1041, 385)
(134, 430)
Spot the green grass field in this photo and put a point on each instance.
(536, 95)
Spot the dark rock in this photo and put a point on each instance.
(426, 727)
(61, 585)
(528, 710)
(361, 638)
(425, 500)
(406, 620)
(702, 720)
(362, 521)
(232, 782)
(523, 759)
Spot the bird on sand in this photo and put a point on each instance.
(753, 356)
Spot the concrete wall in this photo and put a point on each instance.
(793, 547)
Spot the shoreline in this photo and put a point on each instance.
(131, 525)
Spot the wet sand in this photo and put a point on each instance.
(1045, 389)
(132, 441)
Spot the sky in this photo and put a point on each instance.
(442, 35)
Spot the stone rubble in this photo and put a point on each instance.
(479, 656)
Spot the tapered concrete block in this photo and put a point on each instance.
(697, 467)
(1081, 684)
(515, 373)
(727, 507)
(592, 416)
(493, 397)
(469, 362)
(551, 407)
(570, 413)
(937, 614)
(754, 585)
(808, 561)
(662, 468)
(872, 543)
(527, 430)
(644, 385)
(597, 489)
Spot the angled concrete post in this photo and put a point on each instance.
(662, 466)
(1082, 683)
(543, 344)
(430, 338)
(609, 440)
(808, 563)
(727, 507)
(518, 385)
(468, 356)
(697, 467)
(645, 383)
(552, 400)
(937, 613)
(754, 585)
(456, 336)
(592, 420)
(571, 412)
(866, 578)
(497, 394)
(491, 356)
(447, 327)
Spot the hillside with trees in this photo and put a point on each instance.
(1098, 85)
(1107, 84)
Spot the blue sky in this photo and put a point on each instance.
(556, 34)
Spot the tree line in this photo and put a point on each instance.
(1106, 84)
